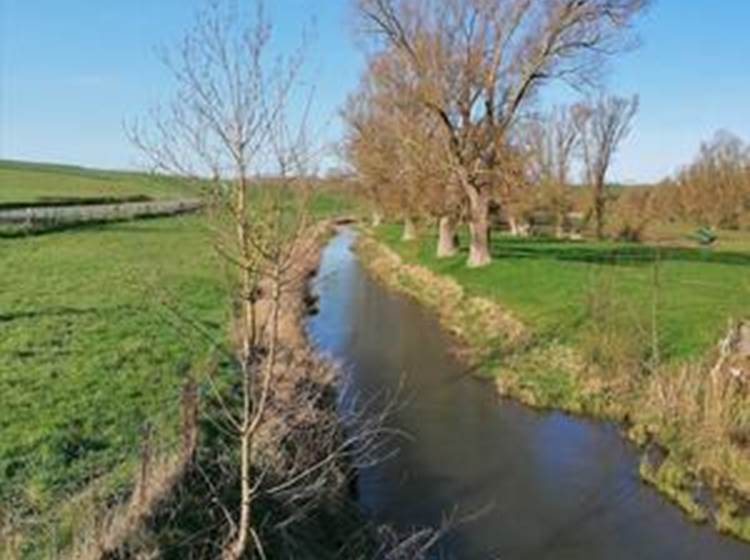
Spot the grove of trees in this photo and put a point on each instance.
(713, 190)
(442, 126)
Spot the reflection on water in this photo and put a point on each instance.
(548, 486)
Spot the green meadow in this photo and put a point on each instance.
(31, 182)
(100, 326)
(93, 342)
(692, 292)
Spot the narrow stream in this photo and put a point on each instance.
(527, 485)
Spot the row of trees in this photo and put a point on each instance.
(589, 132)
(714, 190)
(440, 125)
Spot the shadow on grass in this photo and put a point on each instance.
(609, 253)
(57, 312)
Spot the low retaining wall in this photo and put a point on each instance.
(36, 216)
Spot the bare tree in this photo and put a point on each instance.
(714, 190)
(602, 126)
(552, 141)
(481, 62)
(226, 125)
(396, 146)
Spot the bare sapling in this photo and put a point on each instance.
(228, 130)
(223, 125)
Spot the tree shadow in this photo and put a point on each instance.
(610, 253)
(56, 312)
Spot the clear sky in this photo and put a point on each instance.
(72, 71)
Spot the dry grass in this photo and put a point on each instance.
(706, 408)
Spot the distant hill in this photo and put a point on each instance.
(22, 181)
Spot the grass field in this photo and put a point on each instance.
(28, 182)
(88, 353)
(548, 283)
(91, 349)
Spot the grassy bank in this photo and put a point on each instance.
(622, 331)
(97, 337)
(549, 285)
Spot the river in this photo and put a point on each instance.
(521, 484)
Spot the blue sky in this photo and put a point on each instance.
(72, 71)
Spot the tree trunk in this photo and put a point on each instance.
(239, 546)
(599, 203)
(479, 229)
(247, 326)
(599, 218)
(560, 225)
(410, 229)
(515, 231)
(377, 218)
(447, 238)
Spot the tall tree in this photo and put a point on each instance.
(714, 190)
(602, 126)
(395, 146)
(551, 141)
(481, 62)
(226, 125)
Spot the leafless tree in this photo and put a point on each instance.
(480, 64)
(602, 126)
(395, 146)
(551, 141)
(226, 128)
(714, 190)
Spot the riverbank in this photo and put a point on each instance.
(690, 456)
(298, 447)
(105, 364)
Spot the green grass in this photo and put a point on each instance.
(28, 182)
(547, 284)
(88, 355)
(727, 240)
(328, 203)
(91, 348)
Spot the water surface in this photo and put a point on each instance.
(528, 485)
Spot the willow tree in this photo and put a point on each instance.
(714, 190)
(397, 149)
(602, 126)
(552, 141)
(480, 63)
